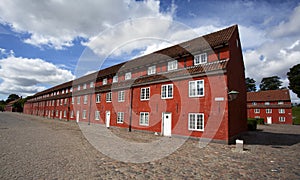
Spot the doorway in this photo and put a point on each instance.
(107, 118)
(166, 124)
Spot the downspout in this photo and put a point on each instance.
(130, 109)
(90, 109)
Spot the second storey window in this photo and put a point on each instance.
(167, 91)
(200, 59)
(84, 86)
(85, 99)
(91, 84)
(98, 98)
(72, 100)
(256, 111)
(104, 81)
(172, 65)
(108, 97)
(280, 102)
(145, 93)
(196, 88)
(121, 96)
(128, 76)
(267, 103)
(115, 79)
(268, 111)
(281, 111)
(78, 88)
(151, 70)
(78, 100)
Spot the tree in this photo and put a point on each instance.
(12, 97)
(250, 83)
(294, 78)
(2, 105)
(19, 105)
(270, 83)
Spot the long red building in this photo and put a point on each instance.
(273, 105)
(196, 88)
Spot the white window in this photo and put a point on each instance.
(85, 99)
(57, 102)
(144, 118)
(167, 91)
(196, 88)
(121, 96)
(66, 100)
(61, 101)
(104, 81)
(62, 91)
(78, 87)
(151, 70)
(71, 114)
(128, 76)
(145, 93)
(57, 93)
(71, 89)
(53, 101)
(280, 102)
(115, 79)
(84, 114)
(256, 111)
(254, 103)
(73, 100)
(97, 115)
(267, 103)
(196, 121)
(108, 97)
(281, 119)
(268, 111)
(56, 113)
(200, 59)
(98, 96)
(78, 100)
(67, 90)
(84, 86)
(120, 118)
(281, 111)
(91, 84)
(172, 65)
(65, 113)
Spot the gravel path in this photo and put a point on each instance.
(38, 148)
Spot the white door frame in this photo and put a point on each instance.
(107, 119)
(77, 116)
(60, 114)
(166, 124)
(269, 120)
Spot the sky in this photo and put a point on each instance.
(46, 43)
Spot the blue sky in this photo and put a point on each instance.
(45, 43)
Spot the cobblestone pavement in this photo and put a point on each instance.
(38, 148)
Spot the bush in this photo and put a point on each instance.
(260, 120)
(252, 124)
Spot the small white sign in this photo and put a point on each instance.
(219, 98)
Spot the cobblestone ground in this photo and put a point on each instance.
(38, 148)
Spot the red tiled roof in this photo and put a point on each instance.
(270, 95)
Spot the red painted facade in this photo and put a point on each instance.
(194, 98)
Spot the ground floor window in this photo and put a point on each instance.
(65, 113)
(71, 114)
(196, 121)
(84, 114)
(144, 118)
(281, 119)
(97, 115)
(120, 118)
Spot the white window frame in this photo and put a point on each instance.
(91, 84)
(98, 98)
(115, 79)
(200, 59)
(67, 91)
(256, 111)
(83, 114)
(71, 89)
(108, 97)
(151, 70)
(127, 75)
(281, 111)
(78, 99)
(281, 119)
(144, 119)
(63, 91)
(78, 88)
(71, 114)
(193, 126)
(194, 90)
(120, 118)
(280, 102)
(172, 65)
(66, 100)
(267, 103)
(97, 115)
(104, 81)
(254, 103)
(85, 99)
(73, 100)
(167, 94)
(84, 86)
(268, 111)
(65, 113)
(144, 94)
(121, 96)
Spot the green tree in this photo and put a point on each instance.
(19, 105)
(250, 84)
(270, 83)
(294, 78)
(2, 105)
(12, 97)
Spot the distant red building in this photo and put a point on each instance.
(273, 105)
(181, 90)
(10, 106)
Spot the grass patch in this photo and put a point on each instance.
(296, 115)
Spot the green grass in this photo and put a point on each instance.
(296, 113)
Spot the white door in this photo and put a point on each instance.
(269, 120)
(77, 116)
(167, 124)
(107, 118)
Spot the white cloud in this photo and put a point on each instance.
(25, 76)
(57, 23)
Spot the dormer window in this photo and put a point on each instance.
(115, 79)
(128, 76)
(172, 65)
(200, 59)
(104, 81)
(151, 70)
(267, 103)
(280, 102)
